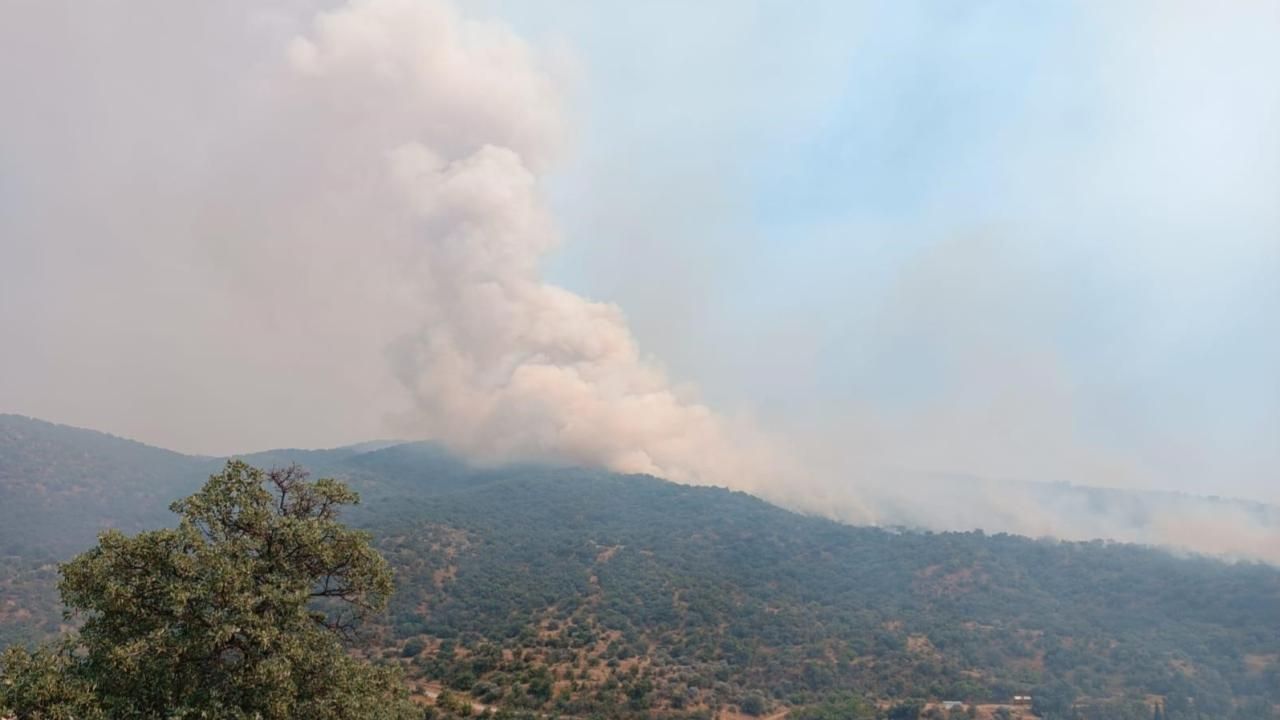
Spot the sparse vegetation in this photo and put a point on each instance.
(577, 593)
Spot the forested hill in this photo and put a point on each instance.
(586, 593)
(60, 485)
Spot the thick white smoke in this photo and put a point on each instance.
(321, 226)
(230, 226)
(500, 364)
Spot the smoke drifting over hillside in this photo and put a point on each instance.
(500, 364)
(364, 206)
(230, 226)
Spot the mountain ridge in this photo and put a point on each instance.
(319, 459)
(581, 592)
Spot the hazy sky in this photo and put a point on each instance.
(1025, 240)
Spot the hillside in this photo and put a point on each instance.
(586, 593)
(60, 485)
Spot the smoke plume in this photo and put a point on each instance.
(367, 210)
(499, 364)
(229, 226)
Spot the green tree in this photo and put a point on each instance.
(239, 612)
(908, 710)
(413, 647)
(1054, 700)
(753, 704)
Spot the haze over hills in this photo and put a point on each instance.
(818, 362)
(36, 451)
(584, 592)
(407, 218)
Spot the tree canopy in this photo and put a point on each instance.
(238, 612)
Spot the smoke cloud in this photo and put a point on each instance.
(500, 364)
(369, 211)
(230, 226)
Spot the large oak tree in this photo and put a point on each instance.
(239, 612)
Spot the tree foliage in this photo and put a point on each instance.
(238, 612)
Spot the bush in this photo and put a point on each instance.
(753, 705)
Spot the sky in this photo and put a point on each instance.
(1029, 240)
(796, 250)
